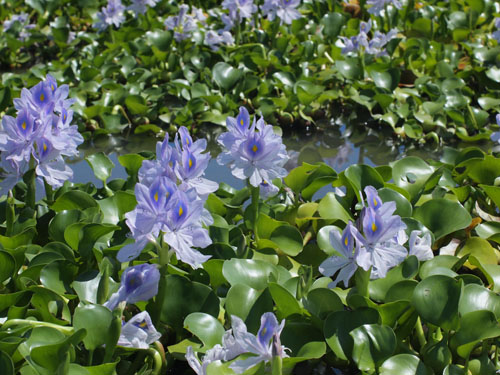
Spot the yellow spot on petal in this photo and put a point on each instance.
(375, 202)
(143, 324)
(181, 211)
(241, 122)
(44, 147)
(190, 163)
(167, 195)
(52, 87)
(374, 227)
(23, 125)
(263, 332)
(346, 241)
(156, 197)
(255, 148)
(187, 142)
(42, 97)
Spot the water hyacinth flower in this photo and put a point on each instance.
(286, 10)
(183, 24)
(256, 154)
(139, 332)
(420, 246)
(141, 6)
(22, 19)
(183, 229)
(191, 164)
(361, 42)
(214, 40)
(41, 132)
(162, 166)
(378, 6)
(212, 355)
(239, 9)
(112, 14)
(148, 218)
(261, 345)
(345, 264)
(138, 283)
(496, 34)
(495, 136)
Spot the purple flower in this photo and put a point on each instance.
(183, 229)
(378, 6)
(239, 9)
(495, 137)
(22, 19)
(214, 40)
(138, 283)
(139, 332)
(191, 164)
(261, 345)
(284, 9)
(379, 247)
(182, 24)
(346, 263)
(12, 173)
(141, 6)
(162, 166)
(112, 14)
(256, 154)
(268, 189)
(421, 246)
(148, 218)
(212, 355)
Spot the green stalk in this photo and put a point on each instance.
(157, 361)
(255, 191)
(277, 365)
(10, 214)
(91, 357)
(420, 333)
(29, 179)
(34, 323)
(49, 193)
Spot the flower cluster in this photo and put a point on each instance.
(495, 137)
(41, 134)
(374, 46)
(138, 283)
(380, 245)
(21, 19)
(170, 196)
(253, 152)
(378, 6)
(496, 34)
(238, 341)
(114, 12)
(286, 10)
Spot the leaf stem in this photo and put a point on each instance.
(420, 333)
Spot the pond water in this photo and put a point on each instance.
(338, 145)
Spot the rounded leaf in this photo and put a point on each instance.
(207, 328)
(403, 364)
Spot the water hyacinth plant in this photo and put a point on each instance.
(344, 252)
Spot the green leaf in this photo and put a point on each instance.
(404, 364)
(101, 165)
(406, 270)
(322, 301)
(183, 297)
(253, 273)
(7, 266)
(373, 344)
(361, 176)
(132, 163)
(339, 324)
(285, 302)
(136, 104)
(436, 300)
(288, 239)
(477, 297)
(330, 208)
(74, 199)
(6, 364)
(96, 320)
(207, 328)
(403, 206)
(480, 249)
(160, 39)
(350, 68)
(436, 213)
(82, 236)
(225, 75)
(411, 173)
(114, 208)
(474, 327)
(332, 23)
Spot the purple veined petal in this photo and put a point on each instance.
(386, 256)
(372, 198)
(344, 275)
(193, 361)
(132, 251)
(498, 116)
(140, 282)
(54, 172)
(181, 241)
(268, 326)
(186, 140)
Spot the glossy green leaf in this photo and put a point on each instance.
(225, 75)
(101, 165)
(285, 302)
(74, 199)
(207, 328)
(288, 239)
(373, 344)
(436, 300)
(96, 320)
(476, 297)
(436, 213)
(404, 364)
(253, 273)
(331, 208)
